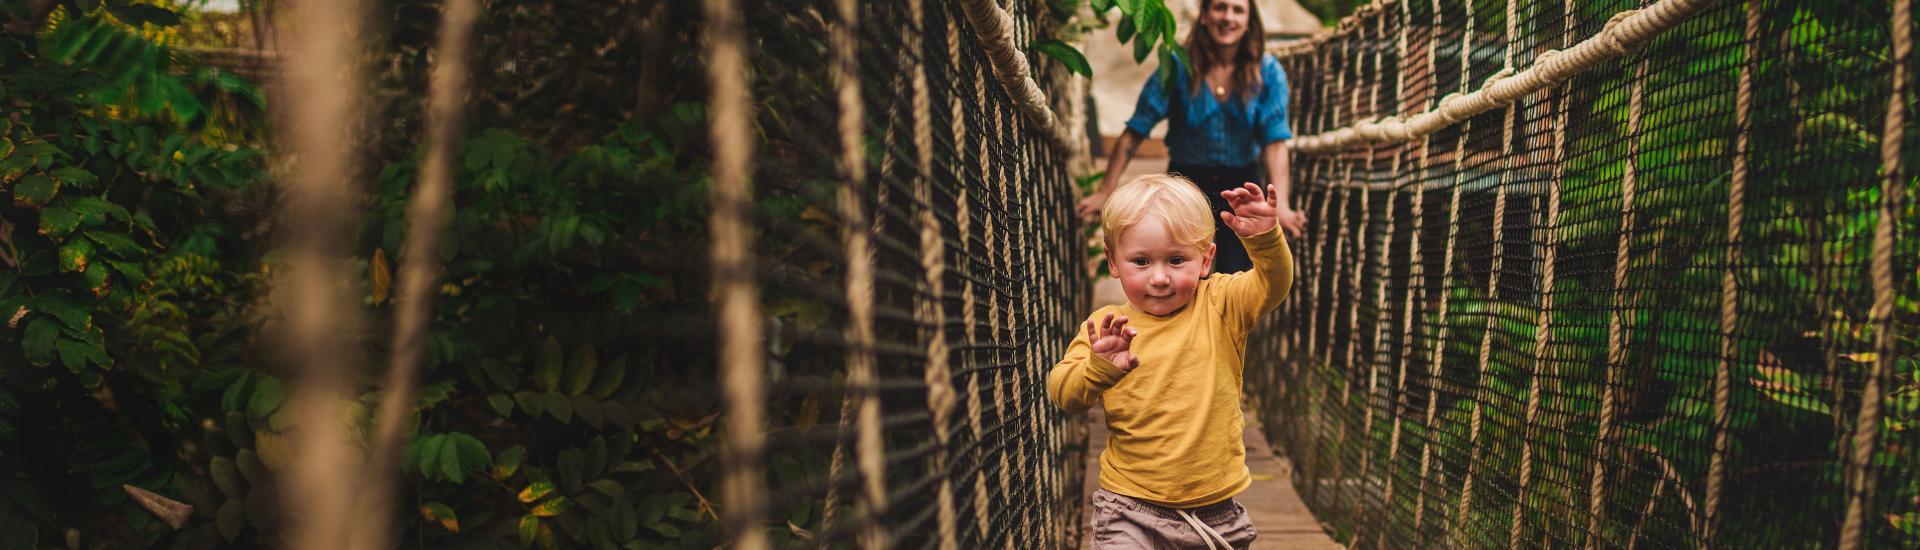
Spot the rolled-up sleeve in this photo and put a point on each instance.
(1272, 124)
(1152, 107)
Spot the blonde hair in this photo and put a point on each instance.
(1174, 199)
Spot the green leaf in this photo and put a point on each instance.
(500, 374)
(74, 255)
(74, 176)
(226, 476)
(439, 513)
(430, 449)
(471, 452)
(588, 409)
(626, 522)
(73, 354)
(580, 372)
(535, 491)
(1065, 54)
(558, 405)
(1125, 29)
(508, 462)
(502, 405)
(596, 457)
(608, 381)
(529, 529)
(39, 339)
(1128, 6)
(617, 414)
(232, 518)
(119, 244)
(35, 190)
(449, 460)
(268, 395)
(546, 365)
(57, 221)
(1101, 6)
(529, 402)
(70, 313)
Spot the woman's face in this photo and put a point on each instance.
(1225, 21)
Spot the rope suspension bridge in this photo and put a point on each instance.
(1579, 273)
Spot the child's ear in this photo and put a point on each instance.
(1113, 266)
(1206, 259)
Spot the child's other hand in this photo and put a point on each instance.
(1254, 212)
(1112, 340)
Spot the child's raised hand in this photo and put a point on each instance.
(1112, 341)
(1253, 212)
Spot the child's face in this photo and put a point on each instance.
(1158, 273)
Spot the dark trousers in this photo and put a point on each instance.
(1229, 257)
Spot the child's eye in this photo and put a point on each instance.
(1177, 260)
(1142, 262)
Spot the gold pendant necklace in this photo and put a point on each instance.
(1220, 90)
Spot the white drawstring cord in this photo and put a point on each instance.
(1206, 533)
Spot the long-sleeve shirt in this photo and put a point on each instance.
(1212, 132)
(1174, 422)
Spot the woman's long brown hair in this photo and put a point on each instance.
(1246, 57)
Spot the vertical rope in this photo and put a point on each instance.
(931, 315)
(861, 406)
(1416, 285)
(1493, 282)
(1730, 282)
(1542, 332)
(322, 83)
(1438, 356)
(427, 216)
(1892, 181)
(742, 373)
(1616, 323)
(964, 220)
(991, 229)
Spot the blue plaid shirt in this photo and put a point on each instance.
(1208, 132)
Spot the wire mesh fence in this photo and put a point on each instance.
(914, 268)
(1665, 303)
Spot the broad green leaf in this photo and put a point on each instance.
(626, 523)
(57, 221)
(580, 371)
(116, 243)
(430, 449)
(73, 354)
(74, 176)
(530, 402)
(268, 395)
(500, 374)
(35, 190)
(552, 507)
(608, 381)
(507, 462)
(547, 365)
(529, 529)
(70, 313)
(96, 277)
(596, 457)
(588, 409)
(74, 255)
(608, 487)
(1128, 7)
(39, 339)
(226, 476)
(502, 405)
(1065, 54)
(573, 462)
(449, 456)
(439, 513)
(557, 405)
(617, 414)
(472, 453)
(232, 518)
(535, 491)
(1125, 29)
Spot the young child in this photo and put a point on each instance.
(1168, 364)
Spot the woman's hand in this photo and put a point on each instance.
(1253, 212)
(1112, 341)
(1090, 207)
(1293, 222)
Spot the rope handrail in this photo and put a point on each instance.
(994, 28)
(1623, 33)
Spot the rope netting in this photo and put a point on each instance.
(895, 267)
(1603, 273)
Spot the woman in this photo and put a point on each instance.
(1229, 118)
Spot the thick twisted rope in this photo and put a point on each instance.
(1625, 31)
(427, 216)
(742, 373)
(1730, 278)
(1616, 322)
(1892, 185)
(994, 28)
(322, 83)
(930, 314)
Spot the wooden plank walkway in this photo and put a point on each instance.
(1282, 519)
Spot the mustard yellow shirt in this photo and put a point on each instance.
(1174, 422)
